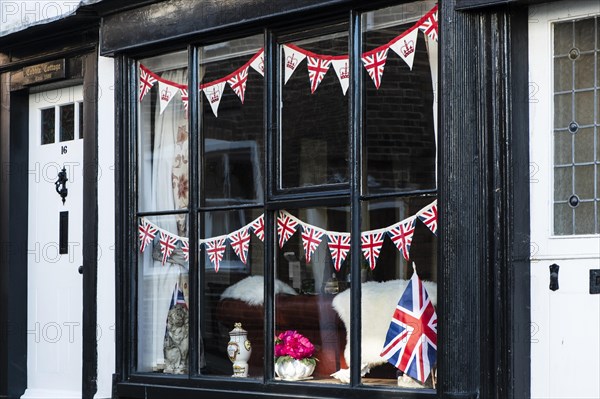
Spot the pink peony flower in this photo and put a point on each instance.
(291, 343)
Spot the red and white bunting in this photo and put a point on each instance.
(374, 62)
(258, 227)
(406, 46)
(311, 238)
(238, 82)
(258, 62)
(339, 246)
(428, 215)
(147, 80)
(317, 68)
(215, 250)
(166, 92)
(342, 70)
(240, 242)
(371, 242)
(402, 234)
(213, 94)
(146, 232)
(167, 245)
(429, 24)
(184, 99)
(185, 247)
(286, 227)
(293, 58)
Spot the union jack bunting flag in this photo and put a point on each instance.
(185, 247)
(429, 26)
(371, 243)
(317, 68)
(184, 99)
(240, 242)
(167, 245)
(258, 227)
(286, 227)
(177, 298)
(147, 80)
(428, 215)
(339, 246)
(374, 63)
(238, 82)
(215, 250)
(402, 234)
(146, 232)
(311, 238)
(411, 340)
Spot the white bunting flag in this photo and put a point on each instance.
(406, 46)
(311, 238)
(238, 82)
(215, 250)
(342, 70)
(293, 58)
(213, 94)
(166, 92)
(374, 63)
(258, 62)
(240, 242)
(167, 245)
(339, 246)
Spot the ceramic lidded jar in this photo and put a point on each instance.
(239, 350)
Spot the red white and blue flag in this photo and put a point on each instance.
(146, 232)
(215, 250)
(429, 24)
(238, 81)
(240, 242)
(185, 247)
(401, 235)
(147, 80)
(411, 341)
(339, 246)
(428, 215)
(286, 227)
(317, 68)
(177, 298)
(167, 245)
(311, 238)
(371, 242)
(374, 61)
(258, 226)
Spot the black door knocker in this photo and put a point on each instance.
(61, 185)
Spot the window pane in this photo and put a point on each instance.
(312, 297)
(163, 137)
(385, 284)
(163, 302)
(314, 114)
(584, 145)
(67, 122)
(233, 292)
(48, 125)
(80, 105)
(233, 141)
(399, 105)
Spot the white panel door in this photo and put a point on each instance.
(564, 76)
(54, 308)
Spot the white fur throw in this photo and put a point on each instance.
(251, 290)
(379, 301)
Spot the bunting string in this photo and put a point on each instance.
(401, 235)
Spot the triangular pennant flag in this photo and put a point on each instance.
(258, 226)
(402, 234)
(339, 246)
(215, 250)
(184, 99)
(286, 227)
(428, 215)
(429, 24)
(177, 298)
(213, 94)
(238, 82)
(342, 70)
(293, 58)
(258, 62)
(166, 92)
(167, 245)
(240, 242)
(371, 243)
(311, 238)
(185, 247)
(374, 63)
(147, 232)
(406, 46)
(147, 80)
(317, 68)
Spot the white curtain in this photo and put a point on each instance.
(432, 51)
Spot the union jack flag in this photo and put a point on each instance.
(185, 247)
(240, 242)
(411, 340)
(258, 226)
(428, 215)
(167, 245)
(147, 232)
(374, 63)
(177, 298)
(184, 99)
(216, 249)
(371, 243)
(317, 68)
(286, 227)
(339, 246)
(402, 234)
(147, 80)
(429, 26)
(238, 82)
(311, 238)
